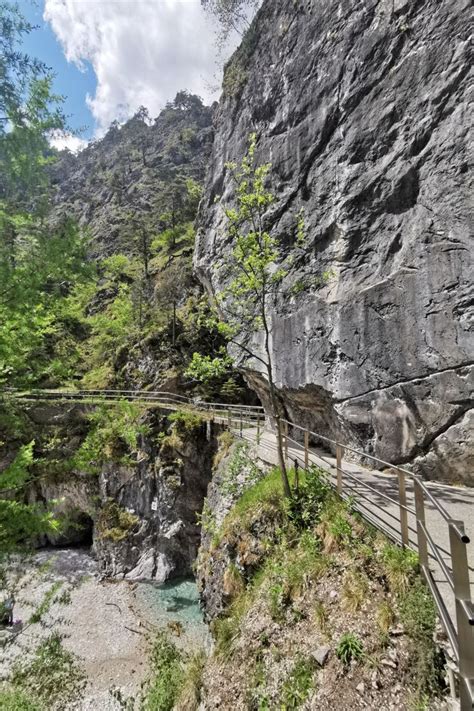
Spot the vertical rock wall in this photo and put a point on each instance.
(140, 512)
(363, 110)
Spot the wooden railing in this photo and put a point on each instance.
(248, 422)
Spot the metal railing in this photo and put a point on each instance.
(249, 421)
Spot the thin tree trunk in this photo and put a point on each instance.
(273, 398)
(281, 455)
(174, 324)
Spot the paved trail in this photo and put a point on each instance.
(458, 501)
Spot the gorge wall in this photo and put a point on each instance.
(137, 504)
(361, 107)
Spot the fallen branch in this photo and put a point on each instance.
(114, 605)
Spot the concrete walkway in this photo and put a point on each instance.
(385, 514)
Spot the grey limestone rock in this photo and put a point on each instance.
(363, 110)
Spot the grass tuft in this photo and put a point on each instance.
(350, 648)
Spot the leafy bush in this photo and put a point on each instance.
(115, 523)
(308, 501)
(185, 423)
(167, 676)
(53, 677)
(17, 700)
(114, 434)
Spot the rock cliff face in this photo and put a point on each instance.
(164, 493)
(362, 109)
(133, 172)
(140, 514)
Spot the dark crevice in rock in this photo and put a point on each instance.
(415, 379)
(450, 422)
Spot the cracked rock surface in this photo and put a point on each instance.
(362, 109)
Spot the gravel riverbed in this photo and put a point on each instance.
(107, 624)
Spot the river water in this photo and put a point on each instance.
(108, 625)
(177, 601)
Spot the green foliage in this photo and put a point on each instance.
(28, 113)
(255, 251)
(400, 567)
(17, 473)
(349, 648)
(263, 497)
(52, 677)
(239, 462)
(117, 266)
(300, 227)
(111, 328)
(299, 683)
(167, 676)
(289, 570)
(38, 264)
(114, 434)
(16, 700)
(115, 523)
(205, 368)
(21, 524)
(35, 304)
(207, 520)
(45, 604)
(231, 15)
(235, 79)
(185, 423)
(341, 529)
(418, 616)
(257, 696)
(308, 501)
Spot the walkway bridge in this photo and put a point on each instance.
(425, 516)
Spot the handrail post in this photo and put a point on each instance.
(402, 500)
(306, 449)
(228, 419)
(420, 523)
(339, 456)
(258, 429)
(241, 423)
(462, 594)
(285, 434)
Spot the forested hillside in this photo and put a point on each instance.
(136, 176)
(100, 290)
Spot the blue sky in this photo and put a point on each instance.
(70, 82)
(112, 56)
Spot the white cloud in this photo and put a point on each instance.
(62, 140)
(142, 51)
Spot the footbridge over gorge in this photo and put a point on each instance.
(433, 519)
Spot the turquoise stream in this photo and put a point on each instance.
(176, 601)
